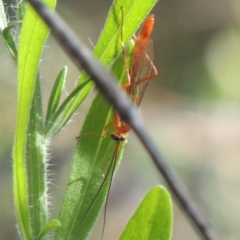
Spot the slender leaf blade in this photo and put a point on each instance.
(86, 175)
(32, 37)
(153, 218)
(80, 209)
(9, 41)
(56, 93)
(109, 43)
(92, 152)
(57, 119)
(48, 227)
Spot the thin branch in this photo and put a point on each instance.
(128, 112)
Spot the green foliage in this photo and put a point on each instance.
(30, 146)
(48, 227)
(9, 41)
(79, 211)
(90, 155)
(153, 219)
(56, 93)
(108, 48)
(87, 188)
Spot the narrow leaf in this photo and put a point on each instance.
(48, 227)
(87, 188)
(57, 120)
(56, 93)
(153, 218)
(109, 43)
(9, 41)
(81, 205)
(86, 176)
(36, 158)
(32, 38)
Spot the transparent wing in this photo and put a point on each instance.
(141, 70)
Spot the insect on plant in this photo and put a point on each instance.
(140, 72)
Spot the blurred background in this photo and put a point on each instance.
(191, 109)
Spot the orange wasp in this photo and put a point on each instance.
(139, 74)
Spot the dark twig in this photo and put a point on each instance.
(128, 112)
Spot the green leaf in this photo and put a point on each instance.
(3, 17)
(86, 176)
(56, 93)
(92, 158)
(48, 227)
(57, 119)
(153, 218)
(9, 41)
(36, 158)
(32, 37)
(87, 188)
(109, 45)
(83, 200)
